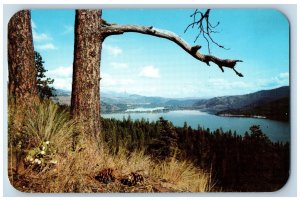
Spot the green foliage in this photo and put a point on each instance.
(45, 123)
(165, 145)
(249, 163)
(44, 89)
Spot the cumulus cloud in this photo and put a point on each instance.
(119, 65)
(62, 76)
(47, 46)
(110, 81)
(279, 80)
(41, 40)
(113, 50)
(63, 83)
(61, 71)
(150, 72)
(40, 36)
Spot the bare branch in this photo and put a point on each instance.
(115, 29)
(205, 28)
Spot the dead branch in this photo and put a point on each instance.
(116, 29)
(201, 20)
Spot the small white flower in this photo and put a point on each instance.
(47, 142)
(43, 148)
(39, 162)
(31, 159)
(43, 152)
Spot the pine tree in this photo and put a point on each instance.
(44, 90)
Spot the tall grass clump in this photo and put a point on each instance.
(36, 138)
(182, 176)
(46, 124)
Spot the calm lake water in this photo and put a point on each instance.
(276, 130)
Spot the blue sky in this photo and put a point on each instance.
(146, 65)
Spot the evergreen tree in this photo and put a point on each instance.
(44, 90)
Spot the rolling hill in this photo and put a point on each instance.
(272, 103)
(251, 100)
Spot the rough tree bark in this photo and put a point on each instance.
(85, 100)
(22, 87)
(21, 65)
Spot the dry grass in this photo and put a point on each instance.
(76, 168)
(45, 123)
(183, 175)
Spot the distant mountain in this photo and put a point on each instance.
(131, 99)
(278, 110)
(62, 97)
(109, 108)
(181, 102)
(62, 92)
(252, 100)
(118, 102)
(146, 101)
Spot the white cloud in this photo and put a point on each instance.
(62, 77)
(284, 75)
(141, 90)
(47, 46)
(40, 36)
(279, 80)
(107, 80)
(222, 84)
(113, 50)
(150, 72)
(63, 83)
(110, 81)
(68, 29)
(62, 72)
(119, 65)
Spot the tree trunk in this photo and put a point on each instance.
(22, 73)
(85, 101)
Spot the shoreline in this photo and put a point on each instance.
(242, 115)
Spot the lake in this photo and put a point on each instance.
(275, 130)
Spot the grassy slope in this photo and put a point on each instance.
(75, 167)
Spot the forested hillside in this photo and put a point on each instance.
(249, 163)
(222, 103)
(278, 110)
